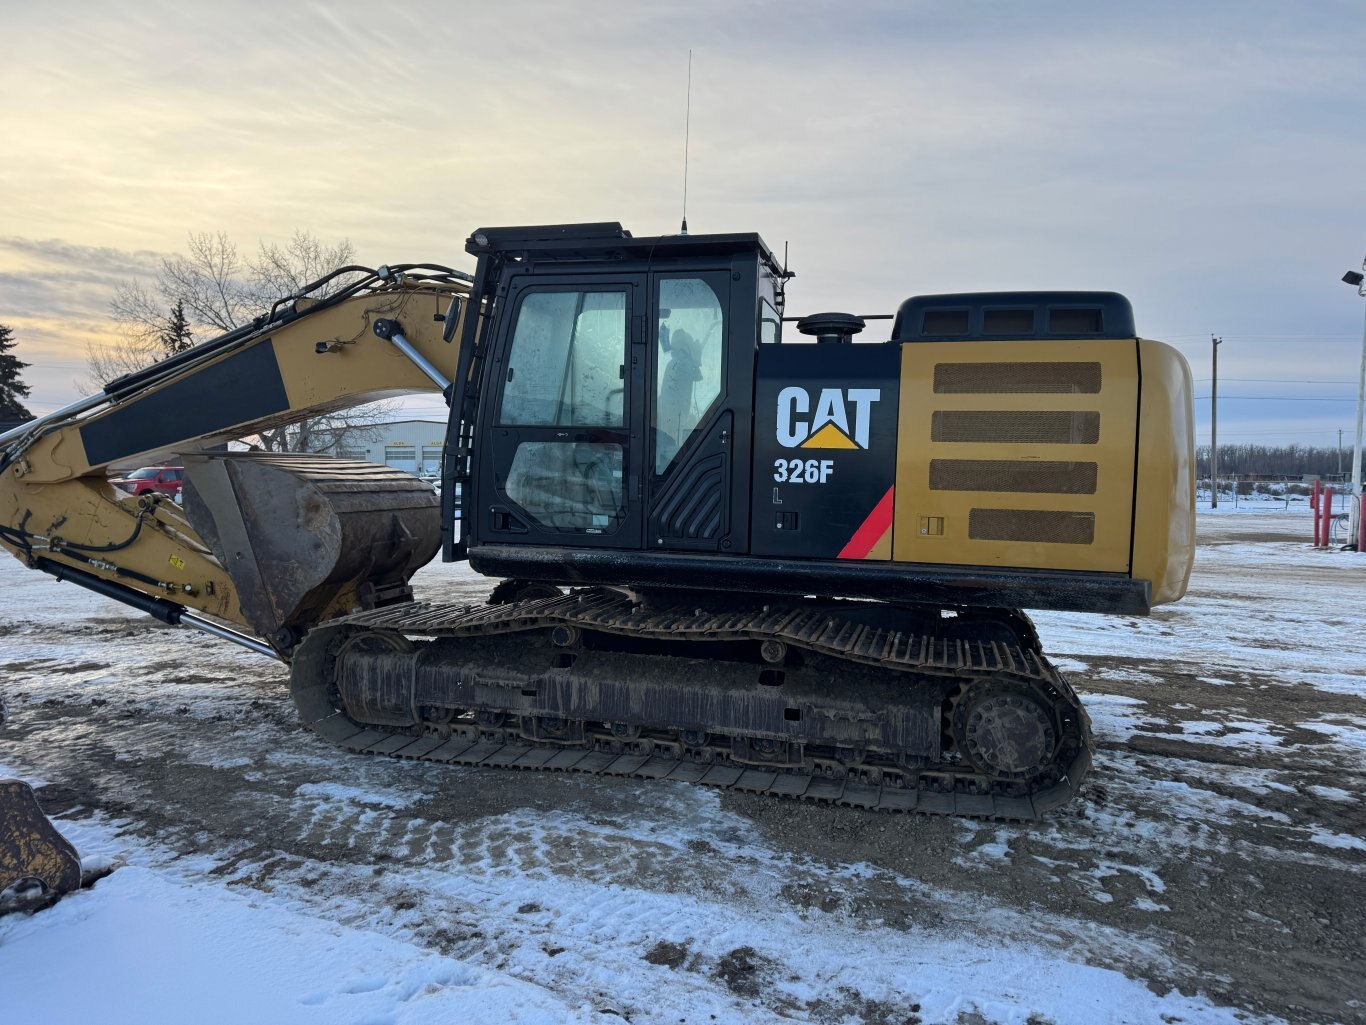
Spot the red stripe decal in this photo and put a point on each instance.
(879, 521)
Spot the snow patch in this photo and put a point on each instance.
(1350, 736)
(1332, 793)
(1066, 664)
(1240, 733)
(1339, 840)
(355, 795)
(158, 951)
(1218, 681)
(1114, 715)
(1145, 904)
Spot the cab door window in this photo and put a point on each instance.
(565, 368)
(688, 365)
(569, 486)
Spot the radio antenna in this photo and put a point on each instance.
(687, 131)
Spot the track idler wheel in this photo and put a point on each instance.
(1005, 732)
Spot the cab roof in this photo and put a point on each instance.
(608, 240)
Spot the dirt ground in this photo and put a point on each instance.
(1217, 846)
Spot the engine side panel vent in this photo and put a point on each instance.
(1017, 378)
(1016, 427)
(1013, 476)
(1051, 526)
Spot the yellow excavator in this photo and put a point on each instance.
(737, 548)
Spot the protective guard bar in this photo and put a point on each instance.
(463, 397)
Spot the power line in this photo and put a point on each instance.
(1280, 398)
(1167, 336)
(1261, 380)
(1272, 433)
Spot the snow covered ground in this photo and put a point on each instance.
(1211, 870)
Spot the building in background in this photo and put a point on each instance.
(411, 445)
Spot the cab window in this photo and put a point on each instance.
(565, 365)
(770, 324)
(688, 364)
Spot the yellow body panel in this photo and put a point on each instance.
(1164, 531)
(937, 520)
(365, 368)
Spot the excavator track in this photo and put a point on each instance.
(868, 705)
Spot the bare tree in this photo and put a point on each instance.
(140, 322)
(283, 270)
(213, 282)
(210, 290)
(332, 433)
(128, 353)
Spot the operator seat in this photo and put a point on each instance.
(674, 412)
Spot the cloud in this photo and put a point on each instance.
(97, 259)
(42, 278)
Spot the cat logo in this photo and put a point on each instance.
(829, 426)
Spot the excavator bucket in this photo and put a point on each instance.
(307, 538)
(30, 846)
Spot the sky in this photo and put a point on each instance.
(1206, 160)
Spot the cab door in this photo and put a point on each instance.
(700, 387)
(566, 460)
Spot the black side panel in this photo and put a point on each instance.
(694, 511)
(244, 387)
(825, 421)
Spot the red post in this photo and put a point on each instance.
(1327, 516)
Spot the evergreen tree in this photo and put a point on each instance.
(176, 336)
(12, 389)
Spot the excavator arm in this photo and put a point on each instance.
(271, 542)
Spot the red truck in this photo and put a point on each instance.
(167, 479)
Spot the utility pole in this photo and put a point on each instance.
(1214, 425)
(1357, 279)
(1339, 451)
